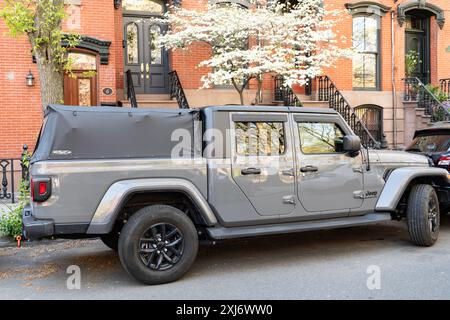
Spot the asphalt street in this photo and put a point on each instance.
(372, 262)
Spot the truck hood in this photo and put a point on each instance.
(398, 157)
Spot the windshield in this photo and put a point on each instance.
(435, 142)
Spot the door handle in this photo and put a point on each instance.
(142, 70)
(309, 169)
(288, 172)
(247, 171)
(147, 68)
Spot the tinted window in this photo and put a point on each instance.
(320, 137)
(260, 138)
(435, 142)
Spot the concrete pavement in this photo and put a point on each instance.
(333, 264)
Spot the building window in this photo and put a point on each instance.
(132, 53)
(260, 138)
(366, 61)
(372, 116)
(153, 6)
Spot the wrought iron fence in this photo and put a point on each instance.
(416, 91)
(327, 91)
(284, 93)
(12, 171)
(176, 90)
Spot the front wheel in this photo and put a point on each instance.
(423, 215)
(158, 244)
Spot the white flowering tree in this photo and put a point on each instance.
(295, 41)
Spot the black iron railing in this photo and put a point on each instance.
(444, 85)
(284, 93)
(416, 91)
(130, 90)
(12, 170)
(327, 91)
(176, 90)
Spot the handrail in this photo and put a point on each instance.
(327, 91)
(445, 86)
(416, 91)
(176, 90)
(130, 90)
(284, 93)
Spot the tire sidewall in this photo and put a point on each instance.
(418, 215)
(135, 228)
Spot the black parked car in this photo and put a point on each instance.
(435, 143)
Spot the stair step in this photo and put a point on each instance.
(236, 232)
(162, 104)
(153, 96)
(315, 104)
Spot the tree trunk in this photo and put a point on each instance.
(51, 82)
(258, 98)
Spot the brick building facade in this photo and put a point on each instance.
(118, 34)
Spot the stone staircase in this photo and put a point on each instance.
(153, 101)
(324, 94)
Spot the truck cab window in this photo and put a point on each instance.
(260, 138)
(320, 137)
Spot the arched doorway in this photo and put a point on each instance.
(416, 15)
(149, 65)
(80, 85)
(372, 116)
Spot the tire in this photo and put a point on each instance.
(142, 244)
(111, 240)
(423, 215)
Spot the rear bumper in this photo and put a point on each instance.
(34, 228)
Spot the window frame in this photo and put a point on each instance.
(378, 68)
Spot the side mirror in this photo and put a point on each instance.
(352, 143)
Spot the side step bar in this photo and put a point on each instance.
(220, 233)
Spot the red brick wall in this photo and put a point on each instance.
(20, 106)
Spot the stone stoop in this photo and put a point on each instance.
(422, 120)
(153, 101)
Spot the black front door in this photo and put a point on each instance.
(417, 39)
(148, 64)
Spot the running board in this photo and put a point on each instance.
(219, 233)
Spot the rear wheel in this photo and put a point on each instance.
(158, 244)
(423, 215)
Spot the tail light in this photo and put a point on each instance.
(40, 189)
(444, 161)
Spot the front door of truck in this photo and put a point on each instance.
(328, 178)
(262, 161)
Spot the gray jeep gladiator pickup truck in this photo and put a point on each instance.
(152, 183)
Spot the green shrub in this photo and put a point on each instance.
(437, 92)
(11, 222)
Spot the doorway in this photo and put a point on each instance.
(417, 39)
(149, 64)
(80, 85)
